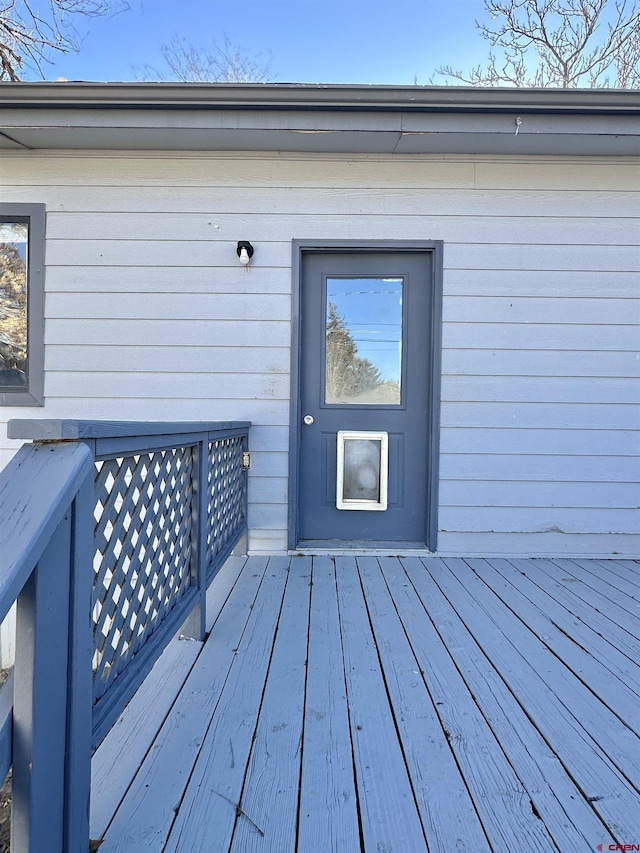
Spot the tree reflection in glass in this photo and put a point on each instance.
(363, 341)
(13, 304)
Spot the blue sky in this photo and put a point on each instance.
(307, 41)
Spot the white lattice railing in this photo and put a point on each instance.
(100, 593)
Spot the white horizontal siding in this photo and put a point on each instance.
(531, 336)
(192, 169)
(496, 467)
(541, 416)
(180, 386)
(543, 282)
(144, 306)
(200, 229)
(190, 332)
(545, 310)
(167, 359)
(154, 279)
(539, 494)
(567, 520)
(511, 439)
(566, 363)
(149, 316)
(543, 389)
(555, 542)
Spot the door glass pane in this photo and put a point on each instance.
(363, 341)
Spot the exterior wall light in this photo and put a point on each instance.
(244, 251)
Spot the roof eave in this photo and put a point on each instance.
(314, 118)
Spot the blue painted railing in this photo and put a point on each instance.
(109, 535)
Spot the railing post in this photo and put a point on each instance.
(195, 625)
(40, 698)
(52, 705)
(80, 696)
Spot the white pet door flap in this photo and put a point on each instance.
(362, 473)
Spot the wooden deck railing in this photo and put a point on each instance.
(109, 535)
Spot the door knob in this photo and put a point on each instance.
(308, 419)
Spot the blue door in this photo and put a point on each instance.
(365, 377)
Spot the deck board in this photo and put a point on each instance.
(207, 813)
(597, 600)
(572, 650)
(502, 802)
(561, 619)
(586, 612)
(447, 811)
(570, 820)
(387, 804)
(363, 704)
(144, 821)
(619, 743)
(124, 749)
(571, 730)
(603, 573)
(328, 814)
(270, 792)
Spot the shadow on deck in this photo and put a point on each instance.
(382, 704)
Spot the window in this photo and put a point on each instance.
(21, 304)
(364, 341)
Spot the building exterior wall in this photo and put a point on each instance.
(148, 315)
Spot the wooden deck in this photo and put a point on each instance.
(381, 704)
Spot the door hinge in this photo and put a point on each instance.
(246, 460)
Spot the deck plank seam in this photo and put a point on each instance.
(304, 707)
(391, 808)
(445, 732)
(349, 715)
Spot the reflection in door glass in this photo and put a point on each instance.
(364, 341)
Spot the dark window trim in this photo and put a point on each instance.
(34, 215)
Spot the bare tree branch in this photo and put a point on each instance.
(224, 62)
(558, 43)
(30, 31)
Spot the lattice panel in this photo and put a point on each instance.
(143, 552)
(226, 485)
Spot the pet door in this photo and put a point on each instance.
(363, 459)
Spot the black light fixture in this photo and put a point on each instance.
(244, 251)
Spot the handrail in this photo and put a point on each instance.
(45, 516)
(109, 535)
(36, 489)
